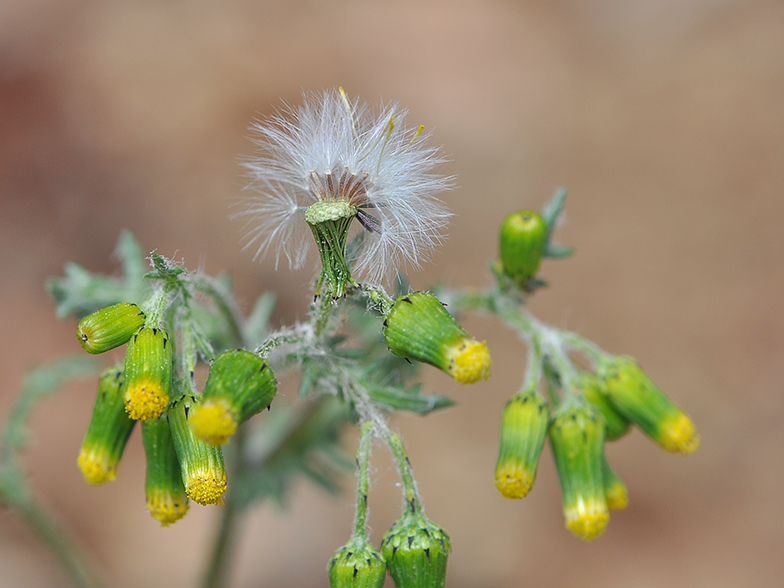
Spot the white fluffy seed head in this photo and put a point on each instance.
(334, 148)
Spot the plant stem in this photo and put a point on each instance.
(406, 475)
(155, 305)
(222, 553)
(363, 461)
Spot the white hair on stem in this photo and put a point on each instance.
(333, 148)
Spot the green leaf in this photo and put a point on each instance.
(131, 255)
(81, 291)
(41, 382)
(553, 209)
(310, 373)
(558, 251)
(401, 399)
(290, 444)
(257, 324)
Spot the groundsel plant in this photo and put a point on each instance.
(321, 167)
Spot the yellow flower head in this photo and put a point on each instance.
(166, 507)
(469, 361)
(213, 421)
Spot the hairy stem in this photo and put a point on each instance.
(406, 475)
(363, 461)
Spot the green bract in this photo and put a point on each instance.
(523, 431)
(166, 497)
(635, 396)
(594, 390)
(615, 489)
(577, 439)
(416, 552)
(419, 327)
(108, 431)
(523, 238)
(240, 384)
(357, 565)
(109, 327)
(203, 471)
(148, 373)
(330, 221)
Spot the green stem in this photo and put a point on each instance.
(553, 349)
(363, 461)
(595, 353)
(551, 380)
(379, 298)
(406, 475)
(224, 302)
(155, 305)
(534, 365)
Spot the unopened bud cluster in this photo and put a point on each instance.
(182, 431)
(586, 408)
(607, 404)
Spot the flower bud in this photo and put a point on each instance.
(148, 373)
(592, 387)
(166, 497)
(203, 472)
(109, 327)
(523, 430)
(523, 239)
(419, 327)
(416, 552)
(577, 439)
(615, 489)
(108, 432)
(240, 384)
(357, 565)
(635, 396)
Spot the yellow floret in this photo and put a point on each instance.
(146, 399)
(617, 496)
(166, 508)
(587, 520)
(206, 487)
(513, 481)
(469, 361)
(213, 422)
(96, 466)
(677, 434)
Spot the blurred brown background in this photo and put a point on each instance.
(665, 120)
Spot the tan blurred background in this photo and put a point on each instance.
(665, 119)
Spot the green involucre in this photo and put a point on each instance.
(523, 430)
(148, 373)
(357, 565)
(109, 327)
(577, 440)
(108, 431)
(167, 500)
(637, 398)
(523, 238)
(203, 471)
(244, 380)
(416, 551)
(419, 327)
(595, 392)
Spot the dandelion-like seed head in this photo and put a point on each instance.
(330, 161)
